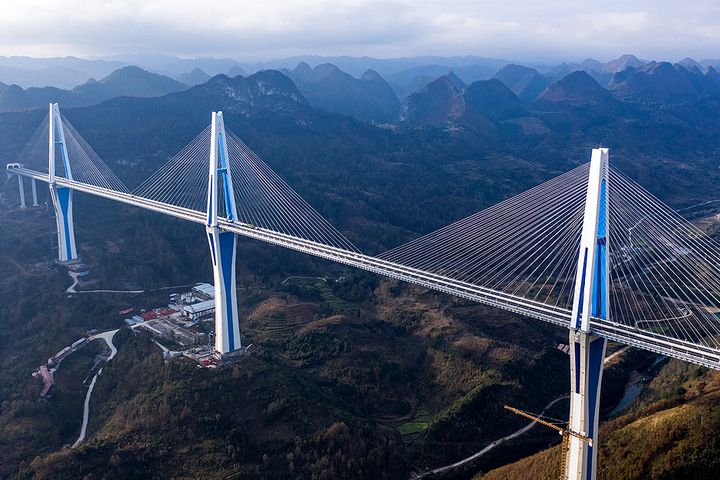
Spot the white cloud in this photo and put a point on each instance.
(249, 30)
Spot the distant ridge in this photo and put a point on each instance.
(577, 88)
(664, 83)
(194, 77)
(527, 83)
(127, 81)
(267, 90)
(65, 72)
(235, 71)
(437, 103)
(369, 98)
(620, 64)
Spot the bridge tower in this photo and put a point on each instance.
(587, 351)
(62, 197)
(222, 244)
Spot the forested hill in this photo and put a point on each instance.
(365, 178)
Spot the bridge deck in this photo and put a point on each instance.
(669, 346)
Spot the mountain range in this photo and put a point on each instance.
(126, 81)
(574, 111)
(368, 98)
(344, 87)
(194, 77)
(69, 72)
(66, 72)
(630, 90)
(436, 103)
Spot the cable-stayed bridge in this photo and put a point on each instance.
(590, 250)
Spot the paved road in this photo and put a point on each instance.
(485, 450)
(303, 278)
(108, 338)
(74, 276)
(73, 288)
(134, 292)
(509, 437)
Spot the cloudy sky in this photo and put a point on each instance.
(256, 30)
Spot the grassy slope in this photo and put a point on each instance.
(669, 435)
(328, 401)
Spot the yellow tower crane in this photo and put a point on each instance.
(565, 432)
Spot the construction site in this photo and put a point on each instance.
(185, 326)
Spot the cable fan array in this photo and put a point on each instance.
(86, 166)
(664, 271)
(262, 198)
(525, 246)
(183, 180)
(34, 155)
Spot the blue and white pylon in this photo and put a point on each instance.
(62, 197)
(587, 351)
(222, 244)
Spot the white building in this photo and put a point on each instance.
(200, 310)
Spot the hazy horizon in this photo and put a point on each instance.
(524, 31)
(125, 57)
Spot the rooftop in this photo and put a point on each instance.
(200, 307)
(205, 289)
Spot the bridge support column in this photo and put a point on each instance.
(34, 192)
(587, 351)
(62, 197)
(222, 244)
(21, 187)
(227, 324)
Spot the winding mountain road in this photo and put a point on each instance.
(485, 450)
(108, 338)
